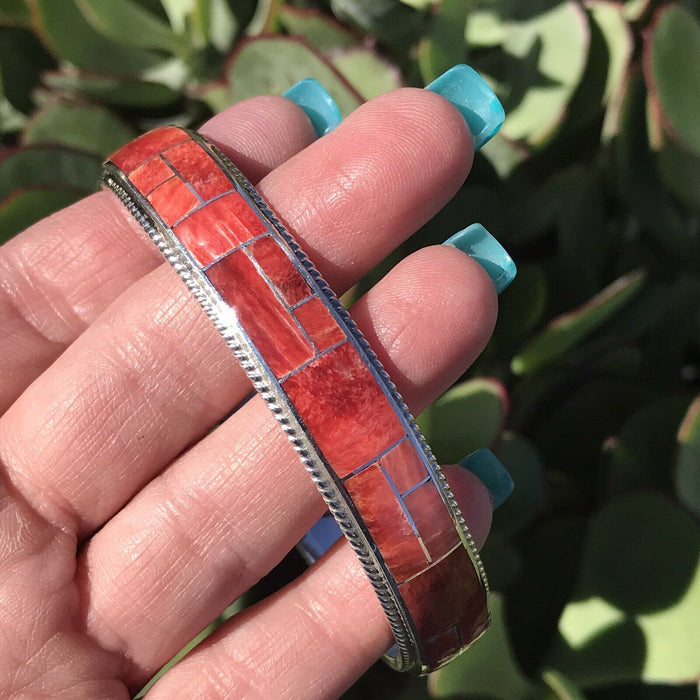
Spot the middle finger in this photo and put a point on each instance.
(152, 375)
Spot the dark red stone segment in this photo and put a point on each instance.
(198, 169)
(471, 627)
(149, 175)
(387, 523)
(318, 322)
(344, 409)
(448, 593)
(261, 314)
(403, 466)
(172, 200)
(138, 151)
(280, 269)
(432, 519)
(218, 227)
(442, 646)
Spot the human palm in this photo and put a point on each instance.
(126, 524)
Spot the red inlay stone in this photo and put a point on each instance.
(442, 646)
(432, 519)
(344, 408)
(172, 200)
(260, 313)
(446, 594)
(386, 522)
(403, 466)
(198, 169)
(138, 151)
(148, 176)
(471, 626)
(218, 227)
(317, 321)
(280, 270)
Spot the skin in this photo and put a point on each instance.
(126, 526)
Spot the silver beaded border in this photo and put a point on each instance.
(409, 652)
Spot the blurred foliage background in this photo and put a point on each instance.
(588, 391)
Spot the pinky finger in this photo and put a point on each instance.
(313, 638)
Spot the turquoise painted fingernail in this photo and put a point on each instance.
(493, 475)
(477, 242)
(318, 104)
(476, 101)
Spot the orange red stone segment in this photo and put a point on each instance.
(280, 270)
(173, 200)
(218, 228)
(344, 409)
(268, 324)
(320, 325)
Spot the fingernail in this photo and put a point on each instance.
(476, 101)
(478, 243)
(318, 104)
(493, 475)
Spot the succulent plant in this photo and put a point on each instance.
(588, 389)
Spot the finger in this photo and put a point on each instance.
(230, 508)
(152, 375)
(314, 638)
(60, 274)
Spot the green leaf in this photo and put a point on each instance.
(641, 452)
(502, 561)
(523, 305)
(22, 61)
(264, 65)
(585, 241)
(619, 40)
(484, 28)
(671, 51)
(635, 608)
(217, 22)
(551, 49)
(524, 464)
(14, 13)
(688, 459)
(48, 166)
(444, 47)
(320, 30)
(467, 417)
(584, 416)
(67, 34)
(394, 24)
(635, 9)
(565, 332)
(489, 667)
(93, 129)
(25, 207)
(368, 73)
(639, 184)
(128, 23)
(549, 551)
(132, 94)
(562, 687)
(679, 170)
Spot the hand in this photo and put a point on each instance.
(125, 525)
